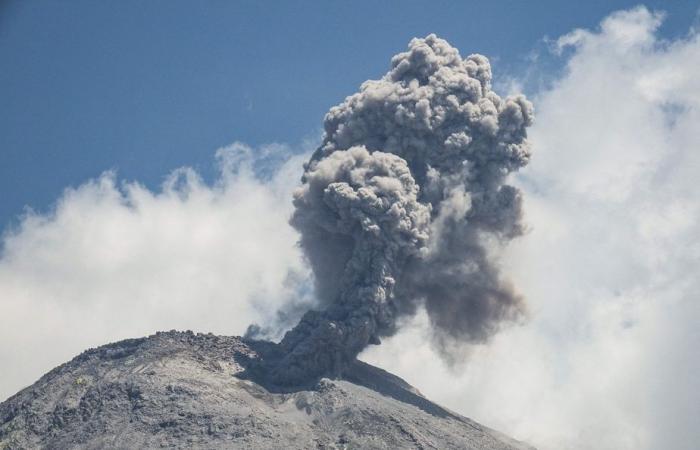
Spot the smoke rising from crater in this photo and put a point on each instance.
(402, 204)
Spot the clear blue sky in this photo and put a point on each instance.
(147, 86)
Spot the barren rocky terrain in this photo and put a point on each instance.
(186, 390)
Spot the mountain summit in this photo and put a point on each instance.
(185, 390)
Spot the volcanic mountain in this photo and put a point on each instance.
(185, 390)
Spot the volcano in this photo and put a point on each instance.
(186, 390)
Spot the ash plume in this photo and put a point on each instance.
(402, 205)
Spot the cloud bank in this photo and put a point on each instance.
(609, 359)
(116, 260)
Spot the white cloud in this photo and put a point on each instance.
(116, 260)
(609, 359)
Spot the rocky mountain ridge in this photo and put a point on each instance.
(185, 390)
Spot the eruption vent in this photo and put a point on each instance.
(401, 204)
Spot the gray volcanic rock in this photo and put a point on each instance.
(181, 390)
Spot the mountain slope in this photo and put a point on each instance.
(181, 390)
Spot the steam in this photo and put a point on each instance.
(403, 204)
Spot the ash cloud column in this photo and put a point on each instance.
(401, 205)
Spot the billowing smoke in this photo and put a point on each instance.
(403, 204)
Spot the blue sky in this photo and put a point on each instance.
(145, 87)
